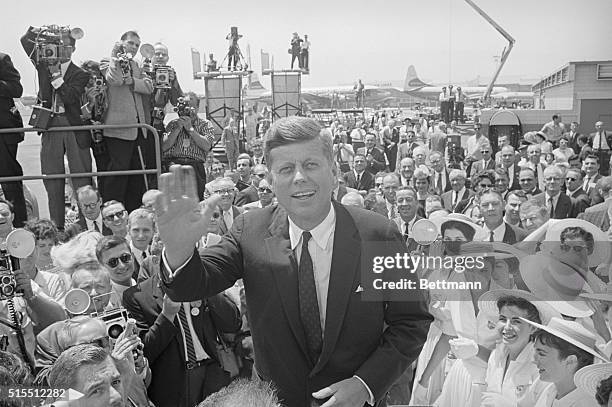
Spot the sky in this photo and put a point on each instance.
(376, 41)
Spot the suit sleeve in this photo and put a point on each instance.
(407, 326)
(156, 337)
(73, 90)
(225, 313)
(217, 269)
(10, 80)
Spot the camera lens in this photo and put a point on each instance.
(114, 331)
(6, 280)
(8, 290)
(49, 52)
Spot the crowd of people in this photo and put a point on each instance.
(243, 284)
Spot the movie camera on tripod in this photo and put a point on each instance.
(53, 43)
(159, 74)
(19, 244)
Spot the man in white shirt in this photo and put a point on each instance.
(406, 172)
(323, 335)
(390, 186)
(554, 129)
(492, 211)
(440, 180)
(534, 154)
(601, 141)
(141, 226)
(90, 214)
(475, 142)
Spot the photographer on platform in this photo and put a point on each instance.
(127, 83)
(188, 139)
(10, 87)
(95, 104)
(61, 89)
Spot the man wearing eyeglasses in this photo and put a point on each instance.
(226, 188)
(266, 196)
(558, 204)
(249, 194)
(573, 182)
(90, 214)
(486, 163)
(114, 254)
(115, 218)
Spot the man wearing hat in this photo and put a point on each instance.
(561, 349)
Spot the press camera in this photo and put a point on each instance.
(183, 107)
(52, 43)
(160, 74)
(115, 321)
(19, 244)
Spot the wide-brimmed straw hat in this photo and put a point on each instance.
(487, 303)
(555, 282)
(479, 233)
(604, 296)
(589, 377)
(601, 249)
(573, 333)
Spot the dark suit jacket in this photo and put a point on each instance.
(580, 201)
(10, 87)
(597, 215)
(222, 227)
(378, 162)
(356, 342)
(163, 341)
(246, 196)
(515, 180)
(563, 208)
(83, 224)
(514, 234)
(592, 191)
(447, 199)
(477, 166)
(437, 142)
(71, 91)
(366, 182)
(448, 184)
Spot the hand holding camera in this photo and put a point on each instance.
(23, 284)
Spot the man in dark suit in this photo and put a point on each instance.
(184, 360)
(601, 141)
(590, 165)
(492, 210)
(90, 210)
(458, 192)
(559, 205)
(440, 182)
(61, 88)
(405, 149)
(249, 194)
(10, 87)
(598, 214)
(572, 137)
(309, 347)
(359, 178)
(374, 155)
(528, 182)
(573, 182)
(487, 163)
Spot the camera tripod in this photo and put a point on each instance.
(238, 59)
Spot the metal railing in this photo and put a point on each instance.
(156, 171)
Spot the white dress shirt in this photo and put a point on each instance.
(98, 220)
(498, 232)
(139, 253)
(197, 345)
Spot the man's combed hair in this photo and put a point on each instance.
(63, 373)
(107, 243)
(243, 392)
(294, 129)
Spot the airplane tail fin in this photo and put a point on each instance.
(412, 81)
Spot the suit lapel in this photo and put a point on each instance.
(344, 266)
(284, 268)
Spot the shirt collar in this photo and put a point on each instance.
(64, 67)
(500, 229)
(320, 233)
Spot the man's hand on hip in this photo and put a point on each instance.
(346, 393)
(180, 219)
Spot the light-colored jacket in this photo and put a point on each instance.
(125, 102)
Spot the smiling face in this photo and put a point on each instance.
(116, 219)
(514, 332)
(551, 366)
(161, 55)
(6, 219)
(141, 232)
(131, 44)
(122, 272)
(407, 204)
(303, 180)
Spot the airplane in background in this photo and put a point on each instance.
(416, 87)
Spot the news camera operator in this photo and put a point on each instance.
(10, 87)
(127, 84)
(61, 89)
(95, 104)
(188, 139)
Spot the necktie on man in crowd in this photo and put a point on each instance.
(392, 213)
(358, 178)
(97, 229)
(439, 183)
(191, 355)
(552, 208)
(587, 185)
(309, 306)
(455, 198)
(491, 236)
(407, 232)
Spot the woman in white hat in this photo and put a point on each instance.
(597, 380)
(510, 370)
(456, 230)
(561, 349)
